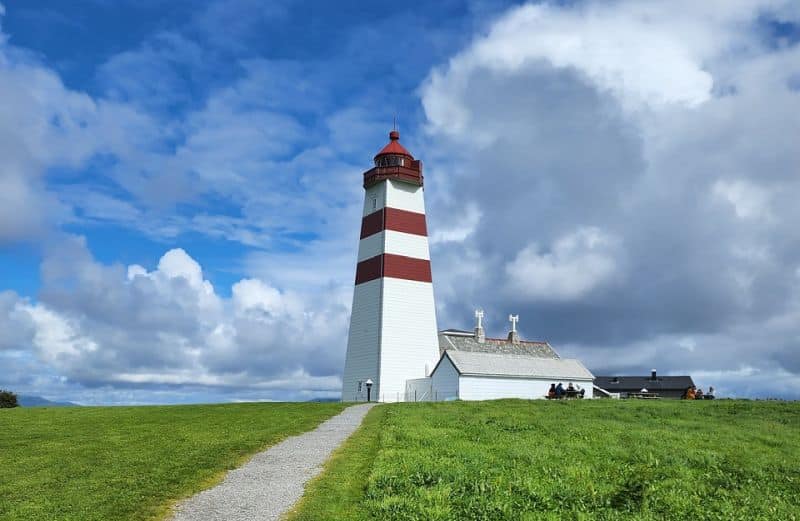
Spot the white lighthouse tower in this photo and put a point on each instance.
(393, 335)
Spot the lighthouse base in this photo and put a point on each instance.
(392, 338)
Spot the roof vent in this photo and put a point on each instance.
(480, 335)
(513, 336)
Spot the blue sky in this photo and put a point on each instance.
(168, 58)
(179, 186)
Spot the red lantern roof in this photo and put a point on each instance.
(394, 146)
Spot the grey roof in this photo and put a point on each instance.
(456, 340)
(476, 363)
(616, 384)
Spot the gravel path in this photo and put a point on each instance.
(268, 485)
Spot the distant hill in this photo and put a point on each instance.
(325, 400)
(38, 401)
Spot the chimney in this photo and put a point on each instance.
(513, 336)
(653, 375)
(480, 335)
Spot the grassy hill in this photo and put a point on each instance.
(499, 460)
(510, 460)
(130, 463)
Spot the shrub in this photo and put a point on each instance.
(8, 400)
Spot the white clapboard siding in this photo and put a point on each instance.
(397, 243)
(493, 388)
(394, 194)
(445, 380)
(404, 196)
(363, 342)
(374, 198)
(409, 341)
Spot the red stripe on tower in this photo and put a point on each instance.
(393, 266)
(395, 220)
(405, 221)
(372, 224)
(408, 268)
(369, 269)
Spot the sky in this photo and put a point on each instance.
(180, 186)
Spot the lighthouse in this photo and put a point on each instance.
(393, 335)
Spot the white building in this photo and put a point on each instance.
(393, 350)
(489, 376)
(473, 367)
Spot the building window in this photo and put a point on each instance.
(374, 203)
(359, 385)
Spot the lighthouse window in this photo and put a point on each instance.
(374, 203)
(359, 386)
(390, 161)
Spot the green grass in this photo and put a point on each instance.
(131, 463)
(509, 460)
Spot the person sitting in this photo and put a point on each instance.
(551, 393)
(580, 390)
(689, 394)
(559, 390)
(570, 392)
(698, 395)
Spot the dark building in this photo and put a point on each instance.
(664, 386)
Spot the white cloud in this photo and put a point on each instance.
(176, 263)
(56, 338)
(629, 53)
(646, 54)
(463, 226)
(16, 326)
(634, 53)
(635, 171)
(577, 263)
(253, 294)
(749, 201)
(242, 135)
(44, 124)
(105, 325)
